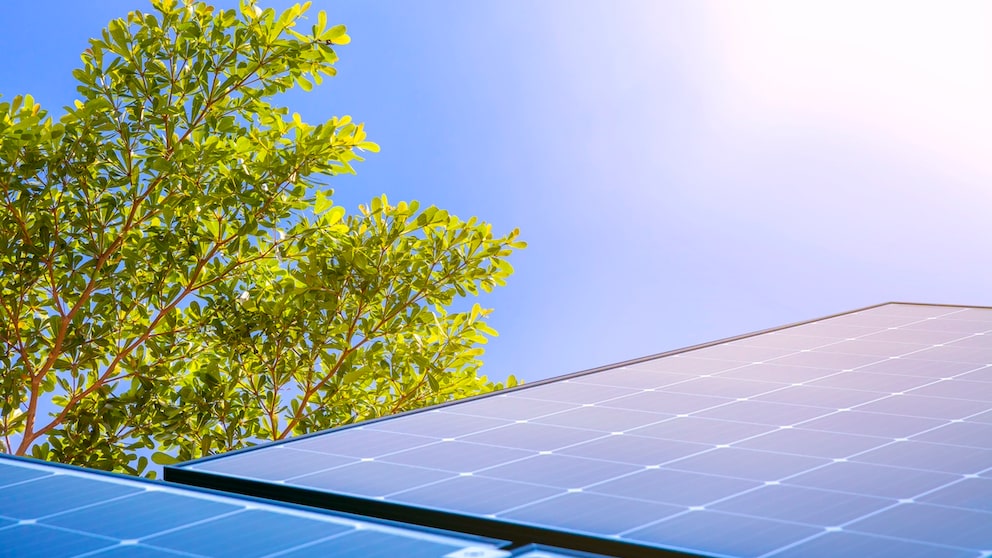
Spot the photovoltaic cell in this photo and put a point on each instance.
(862, 434)
(588, 511)
(56, 511)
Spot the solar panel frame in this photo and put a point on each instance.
(115, 514)
(830, 333)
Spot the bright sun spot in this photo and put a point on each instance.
(912, 75)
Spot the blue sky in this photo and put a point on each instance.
(683, 171)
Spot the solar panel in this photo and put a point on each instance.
(54, 511)
(866, 433)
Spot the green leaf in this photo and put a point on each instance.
(353, 375)
(322, 202)
(118, 30)
(162, 458)
(334, 33)
(433, 382)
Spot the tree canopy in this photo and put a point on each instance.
(175, 279)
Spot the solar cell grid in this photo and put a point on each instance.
(848, 429)
(57, 511)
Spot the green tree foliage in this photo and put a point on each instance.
(174, 277)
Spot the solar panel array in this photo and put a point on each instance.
(53, 511)
(865, 434)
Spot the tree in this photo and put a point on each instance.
(174, 277)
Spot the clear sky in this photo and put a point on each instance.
(683, 171)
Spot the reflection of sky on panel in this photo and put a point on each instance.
(682, 171)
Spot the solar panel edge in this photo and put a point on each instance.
(451, 522)
(906, 303)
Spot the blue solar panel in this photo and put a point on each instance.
(867, 433)
(53, 511)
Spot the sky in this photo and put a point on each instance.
(683, 171)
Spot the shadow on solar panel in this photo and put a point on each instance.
(861, 434)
